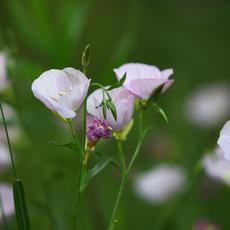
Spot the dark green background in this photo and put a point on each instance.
(193, 37)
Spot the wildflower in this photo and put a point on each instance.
(7, 200)
(62, 91)
(208, 106)
(3, 71)
(224, 140)
(160, 183)
(142, 80)
(205, 225)
(123, 101)
(4, 157)
(217, 167)
(97, 129)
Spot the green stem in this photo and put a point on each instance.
(82, 166)
(121, 188)
(8, 141)
(140, 140)
(126, 170)
(77, 198)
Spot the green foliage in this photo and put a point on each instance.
(70, 145)
(102, 163)
(23, 221)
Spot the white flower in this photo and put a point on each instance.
(142, 79)
(3, 71)
(4, 157)
(224, 140)
(124, 103)
(160, 183)
(62, 91)
(208, 106)
(6, 194)
(217, 167)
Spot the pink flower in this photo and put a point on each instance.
(124, 103)
(97, 129)
(62, 91)
(160, 183)
(142, 79)
(217, 167)
(6, 195)
(224, 140)
(4, 157)
(3, 71)
(205, 225)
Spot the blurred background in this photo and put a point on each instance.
(192, 37)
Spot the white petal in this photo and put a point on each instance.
(6, 193)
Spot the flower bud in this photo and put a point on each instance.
(96, 129)
(86, 56)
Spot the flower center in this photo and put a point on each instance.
(61, 94)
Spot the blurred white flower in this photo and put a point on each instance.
(3, 71)
(124, 103)
(4, 157)
(217, 167)
(208, 106)
(224, 140)
(142, 79)
(160, 183)
(62, 91)
(7, 200)
(13, 127)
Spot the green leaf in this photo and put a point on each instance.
(118, 84)
(70, 145)
(155, 95)
(162, 113)
(104, 110)
(100, 156)
(112, 108)
(22, 216)
(90, 173)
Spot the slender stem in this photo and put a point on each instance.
(126, 170)
(82, 166)
(121, 188)
(77, 198)
(8, 141)
(140, 140)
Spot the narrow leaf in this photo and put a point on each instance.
(155, 95)
(162, 113)
(100, 156)
(112, 108)
(118, 84)
(22, 216)
(94, 171)
(70, 145)
(104, 110)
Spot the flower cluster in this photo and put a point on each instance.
(97, 129)
(108, 111)
(63, 92)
